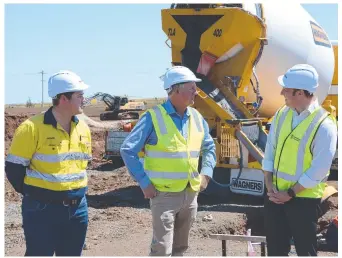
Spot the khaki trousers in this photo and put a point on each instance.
(172, 217)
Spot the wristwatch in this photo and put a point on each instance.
(291, 193)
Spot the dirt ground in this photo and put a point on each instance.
(120, 218)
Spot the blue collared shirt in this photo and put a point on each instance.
(323, 148)
(144, 133)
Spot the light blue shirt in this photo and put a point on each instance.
(323, 148)
(144, 133)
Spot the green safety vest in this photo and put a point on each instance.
(173, 161)
(293, 155)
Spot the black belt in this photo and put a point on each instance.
(65, 202)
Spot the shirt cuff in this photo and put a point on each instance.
(307, 182)
(267, 165)
(145, 182)
(207, 171)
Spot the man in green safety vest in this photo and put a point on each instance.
(300, 148)
(173, 136)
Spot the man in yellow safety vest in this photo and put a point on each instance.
(173, 136)
(300, 148)
(47, 164)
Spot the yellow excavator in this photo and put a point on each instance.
(118, 108)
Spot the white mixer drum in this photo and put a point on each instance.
(294, 37)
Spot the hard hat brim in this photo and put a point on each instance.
(184, 81)
(83, 86)
(297, 86)
(281, 81)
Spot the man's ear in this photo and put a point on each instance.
(63, 98)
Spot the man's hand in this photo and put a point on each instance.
(269, 182)
(279, 197)
(149, 192)
(271, 191)
(271, 188)
(204, 182)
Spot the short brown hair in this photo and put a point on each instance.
(306, 93)
(55, 100)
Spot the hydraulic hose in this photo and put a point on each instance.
(240, 171)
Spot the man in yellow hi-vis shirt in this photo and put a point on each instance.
(47, 164)
(173, 135)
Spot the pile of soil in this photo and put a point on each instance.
(11, 124)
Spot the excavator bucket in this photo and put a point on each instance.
(328, 192)
(324, 206)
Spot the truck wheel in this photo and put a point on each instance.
(117, 162)
(333, 175)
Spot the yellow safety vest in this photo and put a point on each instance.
(293, 155)
(173, 161)
(56, 161)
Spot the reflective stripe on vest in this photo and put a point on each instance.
(320, 114)
(61, 157)
(56, 178)
(160, 120)
(173, 161)
(196, 118)
(173, 175)
(171, 155)
(48, 157)
(294, 178)
(17, 160)
(281, 121)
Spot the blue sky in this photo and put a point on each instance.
(117, 49)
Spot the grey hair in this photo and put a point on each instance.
(173, 88)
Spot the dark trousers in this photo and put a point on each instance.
(296, 218)
(54, 228)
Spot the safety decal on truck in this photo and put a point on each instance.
(248, 185)
(319, 35)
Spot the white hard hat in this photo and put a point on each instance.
(178, 74)
(300, 76)
(65, 81)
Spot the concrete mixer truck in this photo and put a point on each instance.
(239, 50)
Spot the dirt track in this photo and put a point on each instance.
(120, 219)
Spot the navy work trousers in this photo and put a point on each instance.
(54, 228)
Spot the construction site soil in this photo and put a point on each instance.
(120, 217)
